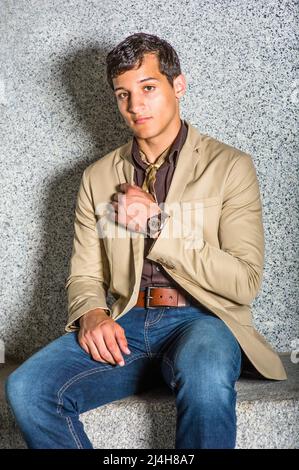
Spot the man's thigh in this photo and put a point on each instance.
(203, 347)
(68, 376)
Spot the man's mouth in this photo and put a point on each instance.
(141, 120)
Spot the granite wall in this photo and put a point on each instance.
(58, 115)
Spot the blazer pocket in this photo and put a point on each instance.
(192, 204)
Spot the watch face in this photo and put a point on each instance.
(156, 223)
(153, 223)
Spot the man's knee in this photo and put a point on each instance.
(208, 371)
(20, 389)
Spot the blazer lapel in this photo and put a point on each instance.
(125, 166)
(184, 171)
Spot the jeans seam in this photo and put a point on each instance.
(73, 433)
(146, 341)
(82, 375)
(146, 325)
(171, 365)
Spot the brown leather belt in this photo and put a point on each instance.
(153, 297)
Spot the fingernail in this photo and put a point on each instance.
(128, 351)
(121, 363)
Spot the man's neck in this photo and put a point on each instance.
(155, 146)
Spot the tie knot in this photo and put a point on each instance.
(151, 170)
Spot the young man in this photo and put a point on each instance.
(182, 286)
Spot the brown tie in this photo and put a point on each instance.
(151, 171)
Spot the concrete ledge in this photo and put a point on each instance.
(268, 416)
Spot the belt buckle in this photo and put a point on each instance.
(147, 296)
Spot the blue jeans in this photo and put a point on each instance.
(189, 348)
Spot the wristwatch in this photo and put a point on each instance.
(156, 223)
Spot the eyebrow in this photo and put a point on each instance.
(140, 81)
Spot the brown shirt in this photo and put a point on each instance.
(153, 273)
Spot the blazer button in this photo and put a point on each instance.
(169, 266)
(163, 261)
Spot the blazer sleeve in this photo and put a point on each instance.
(234, 269)
(88, 278)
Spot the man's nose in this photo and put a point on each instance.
(136, 104)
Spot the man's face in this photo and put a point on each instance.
(146, 93)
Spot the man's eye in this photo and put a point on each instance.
(123, 96)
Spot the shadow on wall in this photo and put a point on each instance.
(82, 76)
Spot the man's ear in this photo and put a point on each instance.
(179, 85)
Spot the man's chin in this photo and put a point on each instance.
(144, 133)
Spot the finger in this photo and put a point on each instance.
(113, 214)
(95, 352)
(113, 348)
(104, 350)
(114, 206)
(122, 341)
(116, 196)
(123, 187)
(120, 199)
(84, 346)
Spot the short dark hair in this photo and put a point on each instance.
(130, 52)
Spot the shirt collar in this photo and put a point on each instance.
(174, 151)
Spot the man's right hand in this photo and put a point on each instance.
(102, 337)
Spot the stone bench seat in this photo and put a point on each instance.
(267, 413)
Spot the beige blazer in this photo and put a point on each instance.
(224, 272)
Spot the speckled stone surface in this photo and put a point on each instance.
(267, 417)
(58, 116)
